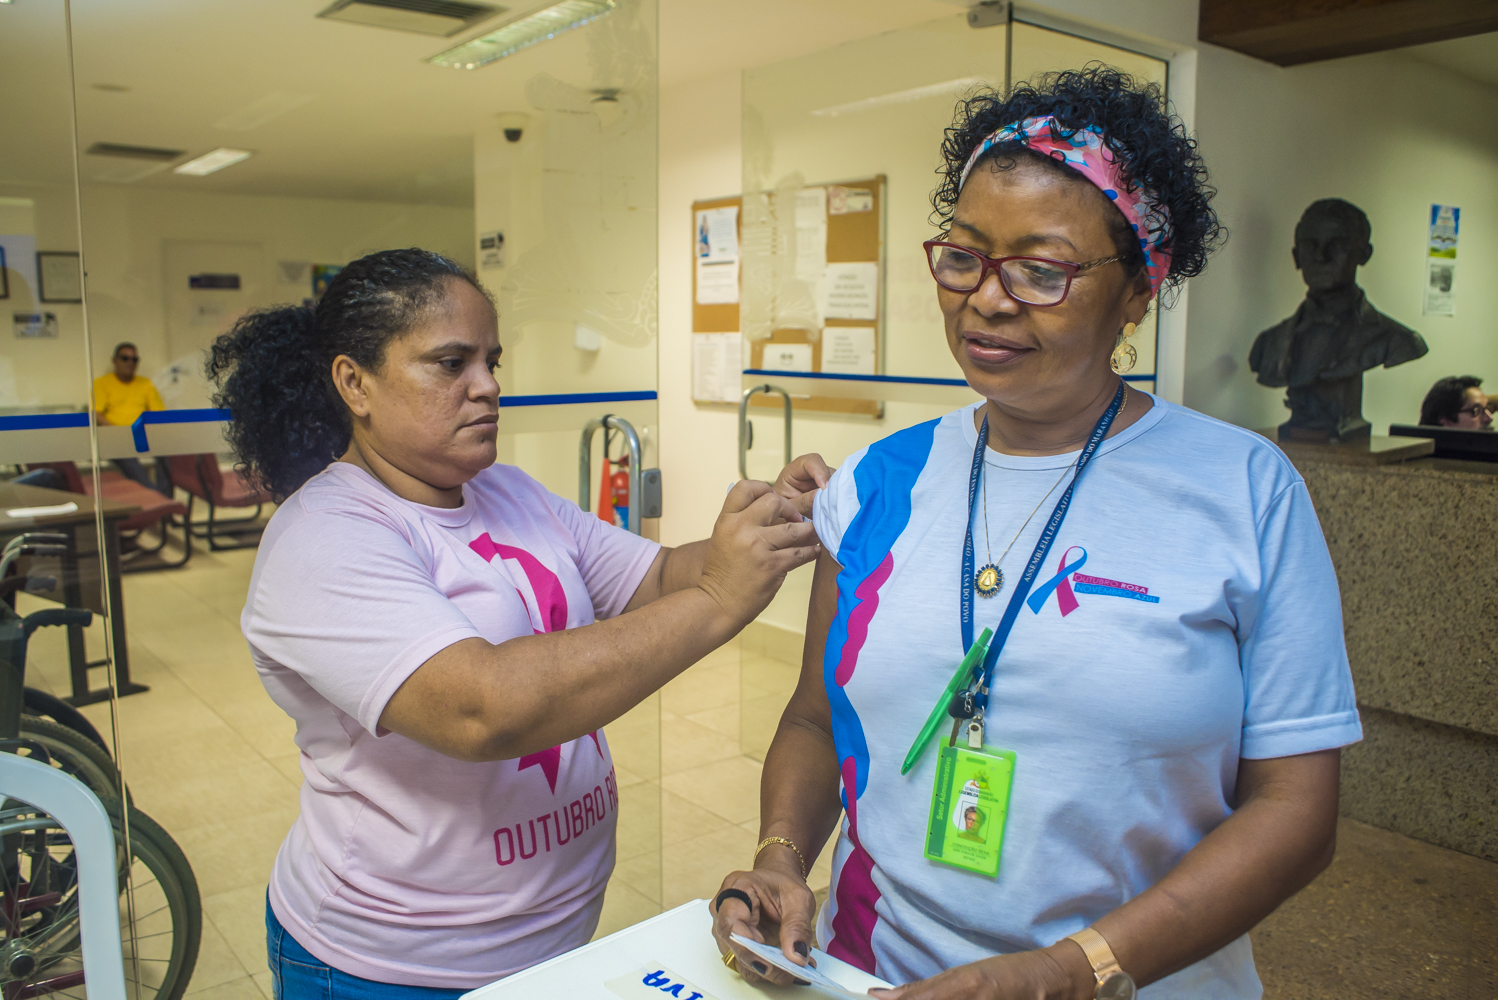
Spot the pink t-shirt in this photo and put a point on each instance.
(406, 866)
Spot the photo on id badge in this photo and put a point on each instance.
(970, 803)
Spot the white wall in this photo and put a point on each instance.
(699, 158)
(125, 231)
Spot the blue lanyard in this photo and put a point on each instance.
(1042, 547)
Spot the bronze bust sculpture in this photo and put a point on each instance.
(1321, 352)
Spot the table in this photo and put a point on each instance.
(679, 944)
(79, 587)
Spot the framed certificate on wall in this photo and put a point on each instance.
(60, 276)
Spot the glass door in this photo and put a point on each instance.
(230, 159)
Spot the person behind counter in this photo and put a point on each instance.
(1458, 401)
(120, 397)
(1153, 731)
(450, 639)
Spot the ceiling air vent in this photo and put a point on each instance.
(425, 17)
(134, 152)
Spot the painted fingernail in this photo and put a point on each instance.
(759, 967)
(800, 947)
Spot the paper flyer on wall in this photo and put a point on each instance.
(1440, 261)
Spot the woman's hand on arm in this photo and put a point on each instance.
(799, 481)
(1282, 835)
(798, 801)
(681, 567)
(477, 701)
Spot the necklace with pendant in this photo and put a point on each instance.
(989, 579)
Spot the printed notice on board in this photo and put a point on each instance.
(717, 256)
(811, 234)
(1440, 261)
(845, 201)
(848, 350)
(717, 367)
(849, 291)
(786, 357)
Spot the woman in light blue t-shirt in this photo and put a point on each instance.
(1143, 763)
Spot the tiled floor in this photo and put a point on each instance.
(210, 757)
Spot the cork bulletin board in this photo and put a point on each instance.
(851, 307)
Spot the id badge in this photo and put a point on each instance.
(969, 804)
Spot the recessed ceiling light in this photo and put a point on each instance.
(426, 17)
(522, 33)
(133, 152)
(209, 162)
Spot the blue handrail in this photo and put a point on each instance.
(562, 398)
(52, 421)
(43, 421)
(888, 379)
(204, 416)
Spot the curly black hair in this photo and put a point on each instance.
(274, 367)
(1150, 145)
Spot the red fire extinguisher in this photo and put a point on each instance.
(621, 491)
(605, 503)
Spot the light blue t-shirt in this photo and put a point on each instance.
(1186, 616)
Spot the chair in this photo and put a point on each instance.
(156, 511)
(203, 480)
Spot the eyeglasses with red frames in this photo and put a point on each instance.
(1035, 281)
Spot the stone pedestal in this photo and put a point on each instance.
(1413, 543)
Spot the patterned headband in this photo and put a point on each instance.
(1085, 151)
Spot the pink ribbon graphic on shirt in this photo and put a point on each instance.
(1065, 599)
(551, 599)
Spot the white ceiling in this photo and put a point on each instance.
(340, 110)
(1475, 56)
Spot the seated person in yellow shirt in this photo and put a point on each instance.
(119, 398)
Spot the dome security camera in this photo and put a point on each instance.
(513, 123)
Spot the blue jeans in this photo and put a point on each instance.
(297, 975)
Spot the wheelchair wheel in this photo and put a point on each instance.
(41, 703)
(40, 949)
(76, 754)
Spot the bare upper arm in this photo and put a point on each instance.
(650, 587)
(809, 702)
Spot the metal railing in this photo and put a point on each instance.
(744, 432)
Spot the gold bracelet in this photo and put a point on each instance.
(783, 841)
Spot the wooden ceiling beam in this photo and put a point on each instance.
(1291, 32)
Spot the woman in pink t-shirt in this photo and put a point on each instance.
(450, 638)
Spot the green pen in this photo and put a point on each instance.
(973, 658)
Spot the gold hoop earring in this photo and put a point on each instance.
(1124, 357)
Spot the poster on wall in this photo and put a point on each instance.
(321, 275)
(491, 250)
(1440, 261)
(34, 325)
(4, 278)
(718, 256)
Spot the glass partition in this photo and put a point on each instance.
(814, 128)
(234, 158)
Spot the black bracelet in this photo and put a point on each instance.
(738, 894)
